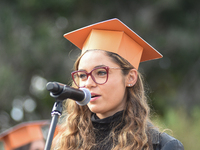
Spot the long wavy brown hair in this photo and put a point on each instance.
(77, 133)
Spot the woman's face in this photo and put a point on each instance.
(109, 97)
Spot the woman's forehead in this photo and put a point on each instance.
(95, 58)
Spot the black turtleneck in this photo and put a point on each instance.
(103, 128)
(104, 141)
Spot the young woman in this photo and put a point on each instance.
(117, 116)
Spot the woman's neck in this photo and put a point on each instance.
(106, 115)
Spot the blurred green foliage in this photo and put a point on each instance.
(183, 127)
(33, 52)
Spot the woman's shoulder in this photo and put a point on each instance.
(168, 142)
(163, 141)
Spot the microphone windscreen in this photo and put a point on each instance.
(87, 98)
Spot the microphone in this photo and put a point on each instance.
(61, 91)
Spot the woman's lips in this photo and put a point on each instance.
(94, 96)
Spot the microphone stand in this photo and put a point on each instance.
(59, 92)
(56, 112)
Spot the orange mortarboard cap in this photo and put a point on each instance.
(114, 36)
(23, 134)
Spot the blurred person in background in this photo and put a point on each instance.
(34, 145)
(25, 136)
(117, 116)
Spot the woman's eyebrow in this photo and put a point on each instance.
(93, 68)
(100, 66)
(81, 70)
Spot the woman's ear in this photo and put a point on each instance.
(131, 78)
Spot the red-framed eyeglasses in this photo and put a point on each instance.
(99, 75)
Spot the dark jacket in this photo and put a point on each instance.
(103, 127)
(163, 141)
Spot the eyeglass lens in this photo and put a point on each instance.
(99, 76)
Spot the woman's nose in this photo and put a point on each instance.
(90, 82)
